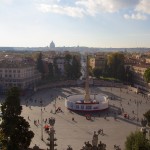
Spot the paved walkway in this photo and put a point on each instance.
(75, 133)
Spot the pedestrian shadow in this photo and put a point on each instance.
(129, 121)
(104, 134)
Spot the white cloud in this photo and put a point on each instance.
(136, 16)
(85, 7)
(80, 8)
(7, 1)
(141, 11)
(66, 10)
(143, 6)
(111, 6)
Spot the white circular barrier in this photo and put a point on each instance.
(97, 102)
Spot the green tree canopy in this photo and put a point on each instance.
(13, 125)
(76, 68)
(115, 62)
(68, 66)
(137, 141)
(57, 71)
(147, 75)
(97, 72)
(72, 67)
(51, 70)
(40, 65)
(147, 116)
(3, 142)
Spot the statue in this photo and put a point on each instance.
(35, 147)
(52, 121)
(95, 139)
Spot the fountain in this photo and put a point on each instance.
(87, 102)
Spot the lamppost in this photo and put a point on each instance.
(95, 145)
(51, 133)
(41, 120)
(120, 94)
(137, 102)
(55, 105)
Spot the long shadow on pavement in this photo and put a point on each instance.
(129, 121)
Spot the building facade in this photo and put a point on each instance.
(18, 74)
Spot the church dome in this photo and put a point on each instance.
(52, 45)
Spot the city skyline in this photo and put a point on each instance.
(91, 23)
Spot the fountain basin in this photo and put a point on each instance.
(97, 102)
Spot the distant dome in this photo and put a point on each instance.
(52, 45)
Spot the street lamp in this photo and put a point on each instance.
(51, 133)
(137, 102)
(120, 94)
(41, 121)
(55, 105)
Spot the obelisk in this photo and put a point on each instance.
(87, 91)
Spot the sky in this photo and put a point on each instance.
(91, 23)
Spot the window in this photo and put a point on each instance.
(14, 71)
(88, 107)
(82, 107)
(77, 106)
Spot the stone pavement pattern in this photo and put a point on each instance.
(75, 133)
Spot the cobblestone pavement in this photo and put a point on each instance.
(75, 133)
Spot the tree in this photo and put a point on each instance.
(72, 67)
(13, 125)
(137, 141)
(57, 71)
(129, 75)
(147, 75)
(147, 116)
(3, 140)
(40, 65)
(68, 66)
(51, 70)
(76, 68)
(97, 72)
(115, 64)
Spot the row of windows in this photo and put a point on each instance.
(16, 75)
(10, 84)
(14, 71)
(17, 84)
(10, 76)
(82, 107)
